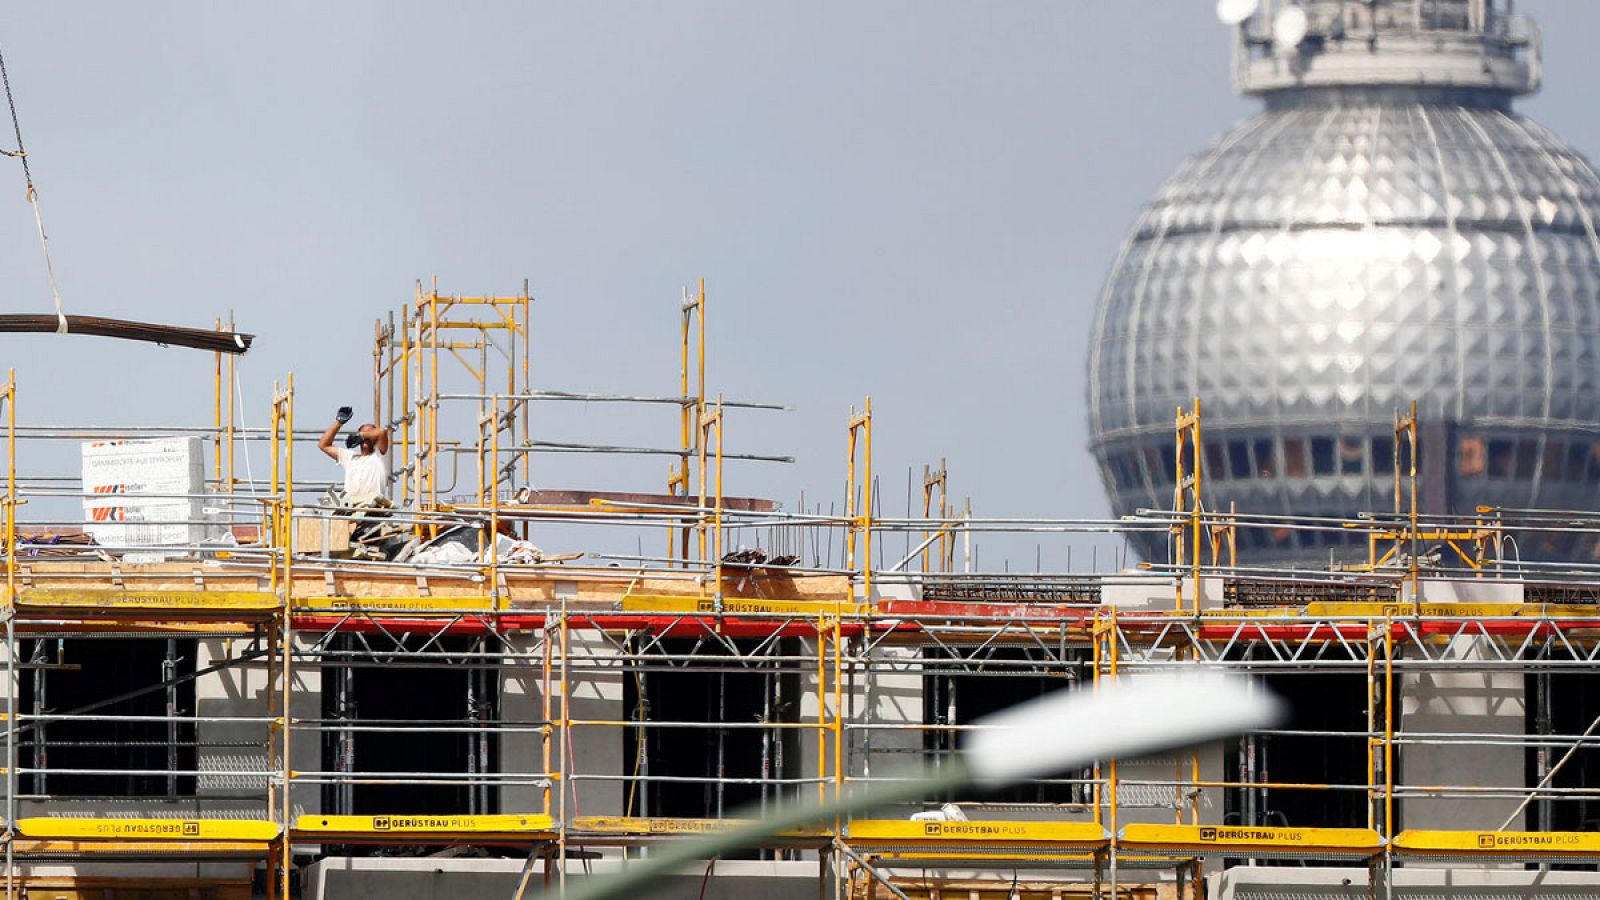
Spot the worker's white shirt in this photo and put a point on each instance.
(366, 476)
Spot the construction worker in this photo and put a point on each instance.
(364, 458)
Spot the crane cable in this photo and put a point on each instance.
(33, 198)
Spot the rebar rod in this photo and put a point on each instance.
(197, 338)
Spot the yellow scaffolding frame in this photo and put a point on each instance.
(408, 357)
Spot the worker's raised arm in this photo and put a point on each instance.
(325, 444)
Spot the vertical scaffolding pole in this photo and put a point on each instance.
(564, 749)
(216, 410)
(433, 397)
(1187, 459)
(838, 639)
(930, 481)
(547, 733)
(527, 379)
(822, 709)
(708, 421)
(495, 596)
(1405, 434)
(408, 402)
(8, 398)
(860, 518)
(1186, 500)
(11, 734)
(1112, 789)
(285, 624)
(692, 406)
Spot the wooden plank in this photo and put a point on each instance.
(119, 601)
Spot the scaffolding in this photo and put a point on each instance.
(560, 693)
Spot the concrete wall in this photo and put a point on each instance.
(595, 750)
(448, 879)
(241, 690)
(1456, 882)
(1461, 701)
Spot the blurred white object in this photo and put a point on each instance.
(1232, 12)
(1128, 716)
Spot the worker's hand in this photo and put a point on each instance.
(353, 441)
(343, 415)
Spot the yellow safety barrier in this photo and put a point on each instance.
(1502, 843)
(442, 606)
(900, 831)
(1244, 841)
(45, 828)
(114, 601)
(696, 605)
(646, 826)
(455, 828)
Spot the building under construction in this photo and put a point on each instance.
(222, 682)
(223, 687)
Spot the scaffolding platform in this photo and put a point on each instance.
(1254, 841)
(882, 835)
(424, 829)
(53, 838)
(1511, 846)
(616, 831)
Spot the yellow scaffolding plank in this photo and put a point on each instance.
(1501, 843)
(522, 827)
(236, 830)
(901, 831)
(695, 605)
(1264, 840)
(114, 601)
(641, 826)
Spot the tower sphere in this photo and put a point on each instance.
(1386, 230)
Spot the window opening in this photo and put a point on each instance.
(1383, 455)
(1554, 452)
(1563, 703)
(1351, 453)
(1323, 743)
(1266, 466)
(108, 677)
(1322, 456)
(400, 688)
(1472, 457)
(1501, 458)
(1527, 456)
(1214, 461)
(959, 693)
(1294, 458)
(1577, 460)
(1239, 459)
(708, 770)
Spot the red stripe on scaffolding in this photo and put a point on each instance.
(664, 625)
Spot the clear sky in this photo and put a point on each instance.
(915, 199)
